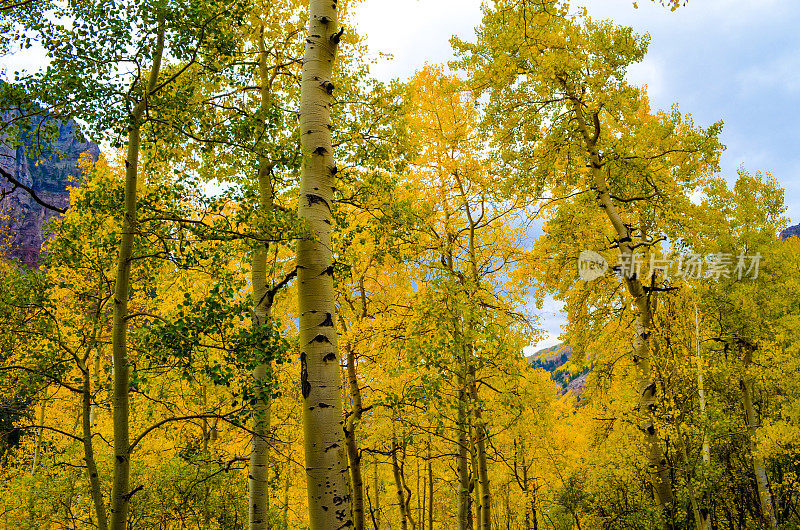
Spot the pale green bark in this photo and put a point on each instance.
(88, 451)
(120, 494)
(258, 479)
(325, 457)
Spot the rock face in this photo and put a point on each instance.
(791, 231)
(21, 218)
(554, 360)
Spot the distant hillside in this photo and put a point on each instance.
(21, 218)
(554, 360)
(791, 231)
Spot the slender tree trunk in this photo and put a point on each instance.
(705, 512)
(683, 462)
(37, 450)
(353, 421)
(288, 482)
(325, 456)
(762, 480)
(420, 495)
(403, 492)
(463, 464)
(484, 503)
(473, 472)
(657, 463)
(88, 452)
(258, 479)
(701, 392)
(93, 408)
(398, 480)
(376, 513)
(430, 486)
(484, 506)
(37, 447)
(120, 494)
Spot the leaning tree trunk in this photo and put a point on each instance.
(656, 462)
(398, 482)
(762, 480)
(120, 494)
(326, 461)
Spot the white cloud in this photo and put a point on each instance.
(414, 31)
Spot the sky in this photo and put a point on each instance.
(734, 60)
(731, 60)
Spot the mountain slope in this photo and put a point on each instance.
(22, 219)
(555, 360)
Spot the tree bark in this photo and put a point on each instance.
(657, 463)
(353, 420)
(484, 506)
(463, 465)
(430, 486)
(120, 494)
(484, 503)
(403, 500)
(325, 457)
(762, 480)
(88, 451)
(258, 479)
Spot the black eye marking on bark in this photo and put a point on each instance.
(324, 406)
(329, 357)
(328, 322)
(316, 199)
(320, 338)
(336, 37)
(328, 87)
(328, 270)
(320, 151)
(304, 384)
(334, 170)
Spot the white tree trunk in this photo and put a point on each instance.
(325, 457)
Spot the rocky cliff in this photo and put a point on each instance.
(791, 231)
(22, 219)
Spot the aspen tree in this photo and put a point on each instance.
(258, 478)
(320, 380)
(120, 493)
